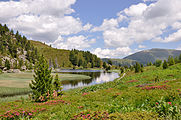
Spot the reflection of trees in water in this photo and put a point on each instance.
(93, 75)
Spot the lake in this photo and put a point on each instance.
(97, 77)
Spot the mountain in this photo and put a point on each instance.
(152, 55)
(121, 62)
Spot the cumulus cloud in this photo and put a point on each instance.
(145, 22)
(76, 42)
(106, 25)
(113, 53)
(43, 20)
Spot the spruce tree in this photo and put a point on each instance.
(165, 65)
(180, 58)
(104, 65)
(7, 64)
(137, 67)
(171, 61)
(42, 84)
(57, 85)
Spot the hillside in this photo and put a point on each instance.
(152, 55)
(67, 58)
(16, 52)
(121, 62)
(60, 55)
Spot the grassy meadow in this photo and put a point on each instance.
(154, 94)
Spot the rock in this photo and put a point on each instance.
(10, 71)
(16, 71)
(23, 68)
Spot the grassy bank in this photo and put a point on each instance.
(136, 96)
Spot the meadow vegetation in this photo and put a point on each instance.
(152, 94)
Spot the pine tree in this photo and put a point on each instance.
(42, 84)
(57, 85)
(137, 67)
(171, 61)
(7, 64)
(104, 65)
(165, 65)
(158, 63)
(180, 58)
(1, 63)
(109, 62)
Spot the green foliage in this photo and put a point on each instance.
(167, 109)
(180, 58)
(158, 63)
(137, 67)
(109, 62)
(165, 65)
(42, 84)
(81, 58)
(11, 44)
(1, 63)
(104, 65)
(171, 60)
(57, 85)
(7, 64)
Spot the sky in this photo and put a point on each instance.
(107, 28)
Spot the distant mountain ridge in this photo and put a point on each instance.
(152, 55)
(118, 62)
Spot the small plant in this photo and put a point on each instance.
(89, 115)
(166, 109)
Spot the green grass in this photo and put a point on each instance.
(120, 99)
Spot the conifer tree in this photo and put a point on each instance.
(137, 67)
(42, 84)
(57, 85)
(158, 63)
(165, 65)
(1, 63)
(104, 65)
(7, 64)
(171, 61)
(180, 58)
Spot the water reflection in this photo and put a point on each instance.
(97, 77)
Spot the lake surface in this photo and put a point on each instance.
(97, 77)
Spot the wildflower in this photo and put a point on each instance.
(84, 94)
(170, 103)
(30, 114)
(157, 103)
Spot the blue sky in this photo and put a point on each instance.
(107, 28)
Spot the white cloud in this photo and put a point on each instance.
(43, 20)
(75, 42)
(173, 37)
(176, 25)
(113, 53)
(145, 22)
(141, 46)
(107, 24)
(135, 10)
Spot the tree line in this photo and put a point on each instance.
(13, 45)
